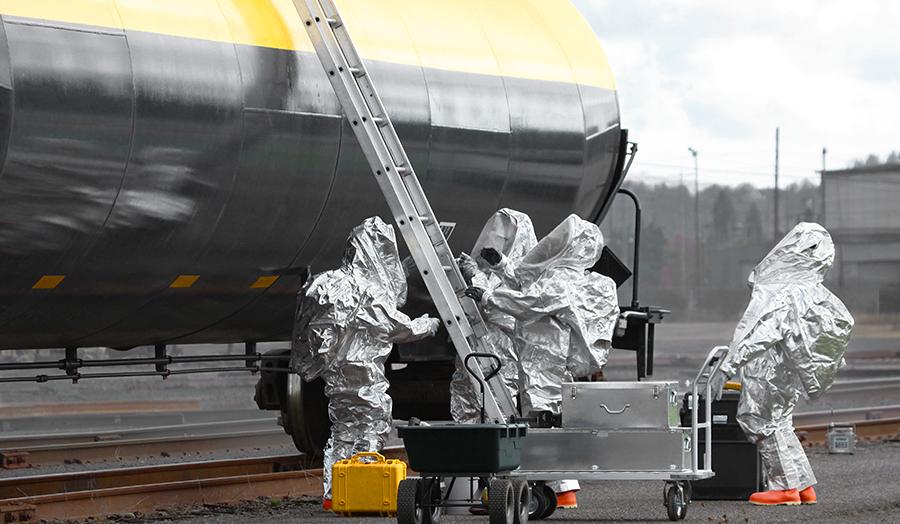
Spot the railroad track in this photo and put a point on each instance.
(871, 423)
(146, 490)
(181, 440)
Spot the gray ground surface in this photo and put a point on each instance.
(864, 487)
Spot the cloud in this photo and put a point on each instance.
(720, 76)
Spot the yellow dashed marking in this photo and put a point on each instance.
(48, 282)
(184, 281)
(264, 282)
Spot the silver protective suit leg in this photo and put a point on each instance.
(765, 414)
(360, 412)
(785, 461)
(543, 365)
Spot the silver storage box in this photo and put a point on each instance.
(597, 451)
(620, 405)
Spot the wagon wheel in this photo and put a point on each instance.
(501, 502)
(542, 503)
(522, 496)
(431, 494)
(409, 502)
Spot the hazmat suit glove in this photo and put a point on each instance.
(409, 266)
(468, 267)
(475, 293)
(491, 256)
(433, 325)
(717, 384)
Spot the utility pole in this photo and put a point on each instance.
(777, 229)
(822, 188)
(697, 264)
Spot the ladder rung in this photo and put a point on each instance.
(404, 170)
(334, 22)
(379, 121)
(357, 72)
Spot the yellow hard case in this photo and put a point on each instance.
(366, 488)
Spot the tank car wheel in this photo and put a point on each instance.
(522, 496)
(501, 502)
(304, 414)
(676, 505)
(409, 502)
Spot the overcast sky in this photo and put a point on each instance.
(720, 76)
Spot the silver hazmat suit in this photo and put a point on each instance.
(565, 315)
(346, 323)
(511, 233)
(790, 342)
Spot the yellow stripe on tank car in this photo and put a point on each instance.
(530, 39)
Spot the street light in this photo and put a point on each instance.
(697, 263)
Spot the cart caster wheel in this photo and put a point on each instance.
(501, 502)
(522, 496)
(409, 497)
(543, 501)
(676, 504)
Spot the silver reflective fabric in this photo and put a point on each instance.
(511, 233)
(565, 315)
(790, 342)
(346, 323)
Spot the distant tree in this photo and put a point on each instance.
(653, 249)
(893, 158)
(753, 226)
(872, 160)
(723, 216)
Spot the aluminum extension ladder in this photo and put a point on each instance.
(405, 197)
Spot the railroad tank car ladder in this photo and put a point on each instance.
(398, 181)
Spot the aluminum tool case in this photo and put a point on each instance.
(620, 405)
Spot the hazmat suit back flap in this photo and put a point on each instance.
(793, 313)
(574, 245)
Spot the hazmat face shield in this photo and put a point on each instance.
(372, 251)
(806, 253)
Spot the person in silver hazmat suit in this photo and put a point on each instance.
(789, 343)
(565, 315)
(509, 235)
(346, 323)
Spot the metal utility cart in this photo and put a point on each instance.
(626, 431)
(447, 453)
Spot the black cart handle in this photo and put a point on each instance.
(494, 370)
(491, 374)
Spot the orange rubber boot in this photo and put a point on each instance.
(567, 500)
(808, 496)
(776, 497)
(326, 504)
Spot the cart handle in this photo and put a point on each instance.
(368, 454)
(711, 364)
(481, 382)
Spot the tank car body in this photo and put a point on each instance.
(168, 169)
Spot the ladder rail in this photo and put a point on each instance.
(398, 182)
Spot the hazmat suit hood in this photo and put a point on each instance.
(372, 252)
(508, 231)
(792, 315)
(574, 244)
(805, 254)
